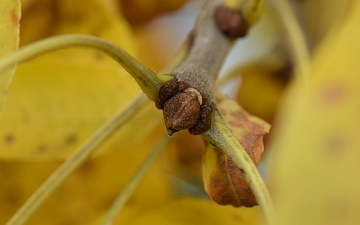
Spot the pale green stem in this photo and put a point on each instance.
(220, 136)
(149, 81)
(299, 49)
(71, 163)
(134, 181)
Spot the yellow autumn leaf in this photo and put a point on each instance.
(319, 24)
(36, 20)
(261, 91)
(140, 11)
(56, 102)
(223, 180)
(45, 18)
(185, 156)
(89, 191)
(60, 99)
(9, 41)
(189, 211)
(315, 171)
(92, 188)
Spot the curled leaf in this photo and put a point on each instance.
(223, 180)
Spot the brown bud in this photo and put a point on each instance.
(182, 111)
(167, 91)
(230, 22)
(204, 121)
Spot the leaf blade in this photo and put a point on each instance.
(317, 148)
(9, 41)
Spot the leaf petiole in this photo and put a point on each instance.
(295, 36)
(149, 81)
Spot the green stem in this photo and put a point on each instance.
(149, 81)
(71, 163)
(296, 39)
(220, 136)
(134, 181)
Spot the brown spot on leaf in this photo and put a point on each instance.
(99, 56)
(199, 212)
(71, 139)
(336, 211)
(42, 148)
(9, 138)
(12, 196)
(86, 168)
(335, 146)
(236, 217)
(14, 18)
(333, 94)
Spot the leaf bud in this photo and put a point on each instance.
(182, 111)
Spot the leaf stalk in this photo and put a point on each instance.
(149, 81)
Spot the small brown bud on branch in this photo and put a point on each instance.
(230, 22)
(184, 108)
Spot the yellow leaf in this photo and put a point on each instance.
(315, 177)
(260, 92)
(90, 190)
(44, 18)
(190, 211)
(185, 157)
(9, 40)
(137, 11)
(332, 13)
(56, 102)
(59, 99)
